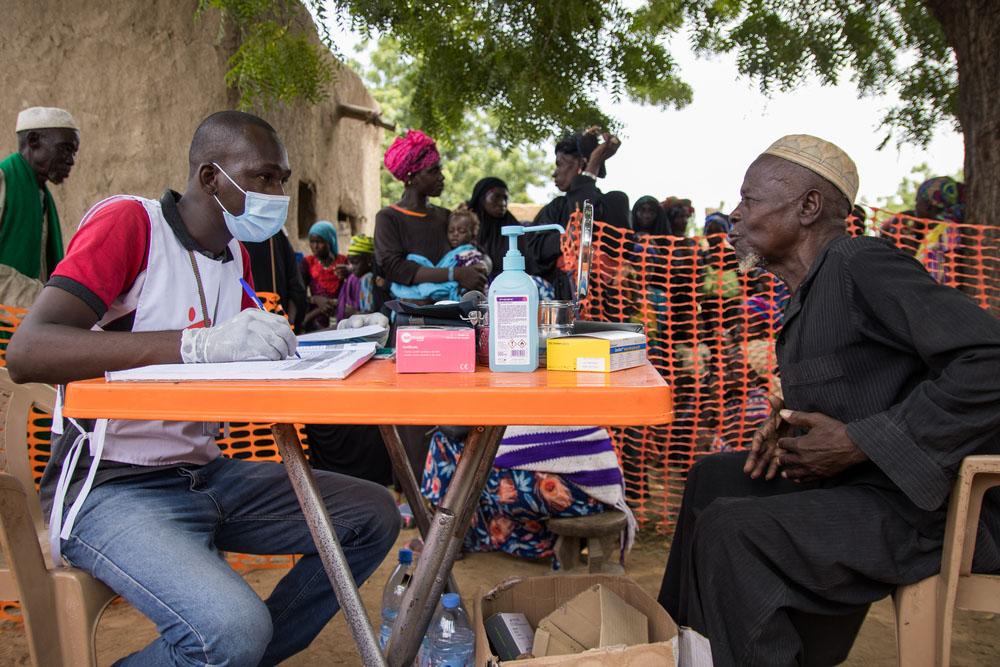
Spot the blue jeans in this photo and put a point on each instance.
(155, 539)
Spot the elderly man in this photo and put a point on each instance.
(157, 281)
(30, 238)
(889, 380)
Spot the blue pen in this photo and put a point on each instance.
(253, 297)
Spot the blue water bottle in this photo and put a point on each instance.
(392, 595)
(449, 641)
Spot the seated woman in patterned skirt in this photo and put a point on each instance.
(540, 472)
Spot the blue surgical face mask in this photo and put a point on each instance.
(263, 215)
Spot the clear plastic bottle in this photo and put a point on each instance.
(392, 595)
(513, 308)
(449, 641)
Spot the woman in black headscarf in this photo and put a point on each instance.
(648, 217)
(489, 202)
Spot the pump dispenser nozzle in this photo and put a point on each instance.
(514, 260)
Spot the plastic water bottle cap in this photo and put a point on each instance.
(405, 556)
(451, 601)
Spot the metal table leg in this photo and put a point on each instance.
(334, 562)
(407, 480)
(444, 541)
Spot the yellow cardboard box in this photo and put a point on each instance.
(602, 351)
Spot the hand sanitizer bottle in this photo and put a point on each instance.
(514, 308)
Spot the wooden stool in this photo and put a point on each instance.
(603, 534)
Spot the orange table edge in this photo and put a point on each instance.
(376, 394)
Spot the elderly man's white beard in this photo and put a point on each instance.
(749, 262)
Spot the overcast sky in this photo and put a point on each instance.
(702, 151)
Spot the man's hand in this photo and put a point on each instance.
(471, 277)
(765, 443)
(359, 320)
(824, 451)
(253, 335)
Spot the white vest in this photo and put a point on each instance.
(165, 298)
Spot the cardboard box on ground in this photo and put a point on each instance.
(595, 618)
(537, 597)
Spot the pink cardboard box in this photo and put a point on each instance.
(435, 350)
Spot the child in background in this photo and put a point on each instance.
(322, 272)
(356, 293)
(463, 228)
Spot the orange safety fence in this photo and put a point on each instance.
(711, 334)
(10, 318)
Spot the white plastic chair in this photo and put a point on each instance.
(60, 606)
(925, 610)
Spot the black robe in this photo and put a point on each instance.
(776, 573)
(546, 247)
(280, 276)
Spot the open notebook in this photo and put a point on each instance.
(317, 363)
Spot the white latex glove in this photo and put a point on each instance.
(253, 335)
(357, 321)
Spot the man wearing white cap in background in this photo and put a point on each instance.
(889, 380)
(30, 238)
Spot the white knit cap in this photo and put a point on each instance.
(41, 118)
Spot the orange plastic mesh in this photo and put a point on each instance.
(10, 612)
(10, 318)
(272, 303)
(38, 427)
(39, 442)
(711, 334)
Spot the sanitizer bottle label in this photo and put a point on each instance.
(512, 322)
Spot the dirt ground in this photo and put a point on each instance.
(123, 630)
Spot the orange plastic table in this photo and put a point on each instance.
(376, 394)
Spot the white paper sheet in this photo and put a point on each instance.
(339, 336)
(317, 363)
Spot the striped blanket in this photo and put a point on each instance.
(582, 455)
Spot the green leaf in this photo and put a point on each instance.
(537, 67)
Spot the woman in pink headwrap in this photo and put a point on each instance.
(413, 225)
